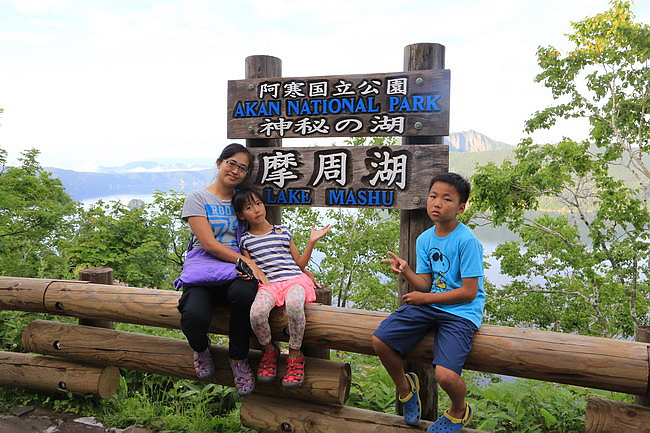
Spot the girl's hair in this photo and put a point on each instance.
(234, 148)
(242, 196)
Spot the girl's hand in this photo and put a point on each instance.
(397, 265)
(315, 235)
(312, 278)
(257, 272)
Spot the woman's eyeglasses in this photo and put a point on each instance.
(232, 164)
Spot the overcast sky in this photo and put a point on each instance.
(94, 83)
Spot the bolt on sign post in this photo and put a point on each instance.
(412, 104)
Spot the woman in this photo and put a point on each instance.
(213, 225)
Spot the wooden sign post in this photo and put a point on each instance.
(414, 104)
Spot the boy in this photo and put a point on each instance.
(450, 273)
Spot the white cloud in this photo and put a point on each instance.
(100, 83)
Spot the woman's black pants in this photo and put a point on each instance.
(196, 305)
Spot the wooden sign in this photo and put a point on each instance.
(348, 176)
(401, 103)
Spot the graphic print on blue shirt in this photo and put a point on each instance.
(439, 266)
(222, 220)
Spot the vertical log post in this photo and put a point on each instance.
(419, 57)
(97, 276)
(642, 335)
(323, 296)
(263, 67)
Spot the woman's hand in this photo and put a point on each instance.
(316, 235)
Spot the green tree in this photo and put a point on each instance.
(143, 245)
(351, 265)
(34, 209)
(585, 270)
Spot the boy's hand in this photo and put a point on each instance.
(415, 298)
(397, 265)
(315, 235)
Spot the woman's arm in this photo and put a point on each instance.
(202, 230)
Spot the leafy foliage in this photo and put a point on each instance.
(585, 270)
(34, 208)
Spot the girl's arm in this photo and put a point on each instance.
(257, 272)
(303, 259)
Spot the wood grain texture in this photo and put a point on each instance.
(325, 380)
(275, 415)
(608, 416)
(564, 358)
(52, 374)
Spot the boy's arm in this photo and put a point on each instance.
(401, 267)
(466, 293)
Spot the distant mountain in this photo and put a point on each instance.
(472, 141)
(184, 174)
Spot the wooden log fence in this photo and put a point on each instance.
(327, 381)
(269, 414)
(608, 416)
(601, 363)
(594, 362)
(51, 374)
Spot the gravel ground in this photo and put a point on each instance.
(34, 419)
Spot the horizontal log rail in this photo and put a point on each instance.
(608, 416)
(594, 362)
(51, 374)
(325, 381)
(270, 414)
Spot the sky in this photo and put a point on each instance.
(103, 82)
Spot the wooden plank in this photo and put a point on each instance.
(279, 415)
(642, 334)
(51, 374)
(398, 103)
(608, 416)
(325, 380)
(348, 176)
(595, 362)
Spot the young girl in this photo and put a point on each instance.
(290, 284)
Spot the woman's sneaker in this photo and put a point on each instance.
(411, 406)
(203, 364)
(243, 376)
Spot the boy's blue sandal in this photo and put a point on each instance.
(411, 403)
(448, 424)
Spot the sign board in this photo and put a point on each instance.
(348, 176)
(401, 103)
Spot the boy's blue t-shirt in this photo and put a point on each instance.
(449, 259)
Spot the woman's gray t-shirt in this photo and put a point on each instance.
(220, 215)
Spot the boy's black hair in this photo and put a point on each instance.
(242, 196)
(457, 181)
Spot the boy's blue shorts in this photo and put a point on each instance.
(406, 326)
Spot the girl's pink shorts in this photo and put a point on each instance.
(279, 288)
